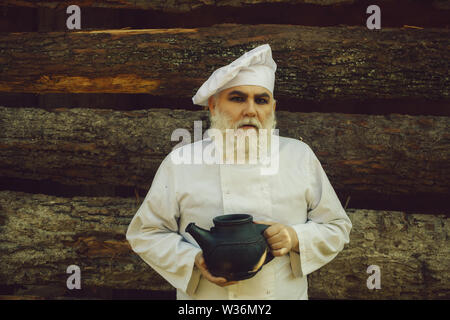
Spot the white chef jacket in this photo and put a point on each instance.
(299, 194)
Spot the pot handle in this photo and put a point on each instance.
(261, 228)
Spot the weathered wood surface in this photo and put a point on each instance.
(314, 64)
(40, 236)
(23, 297)
(393, 154)
(183, 6)
(411, 250)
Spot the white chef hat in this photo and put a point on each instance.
(255, 67)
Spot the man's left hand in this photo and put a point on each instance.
(281, 238)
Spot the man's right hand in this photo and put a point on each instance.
(201, 265)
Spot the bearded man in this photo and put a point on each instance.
(308, 226)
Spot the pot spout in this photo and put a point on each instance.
(202, 236)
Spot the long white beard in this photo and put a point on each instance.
(244, 146)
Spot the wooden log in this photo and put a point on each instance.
(393, 154)
(40, 236)
(24, 297)
(314, 64)
(185, 6)
(48, 16)
(411, 250)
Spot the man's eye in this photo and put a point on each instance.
(237, 99)
(261, 101)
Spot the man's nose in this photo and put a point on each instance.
(250, 109)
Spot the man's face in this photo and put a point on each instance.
(246, 107)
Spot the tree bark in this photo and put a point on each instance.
(314, 64)
(411, 250)
(394, 154)
(40, 236)
(184, 6)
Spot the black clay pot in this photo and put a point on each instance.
(235, 248)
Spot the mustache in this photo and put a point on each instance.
(248, 121)
(223, 121)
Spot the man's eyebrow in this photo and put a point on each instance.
(240, 93)
(260, 95)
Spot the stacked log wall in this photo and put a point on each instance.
(86, 118)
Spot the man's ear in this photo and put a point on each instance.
(274, 104)
(211, 104)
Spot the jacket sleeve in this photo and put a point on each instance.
(154, 233)
(327, 228)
